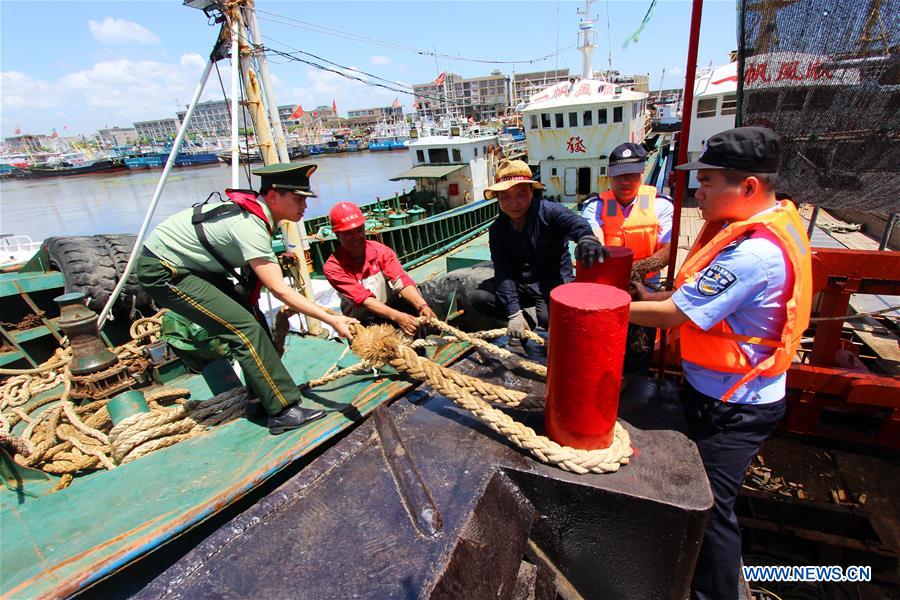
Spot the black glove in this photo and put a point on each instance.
(589, 250)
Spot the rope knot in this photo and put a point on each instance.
(376, 345)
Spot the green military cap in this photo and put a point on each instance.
(288, 176)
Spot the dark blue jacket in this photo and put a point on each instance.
(537, 255)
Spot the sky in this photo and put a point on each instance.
(77, 66)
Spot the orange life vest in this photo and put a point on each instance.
(718, 349)
(639, 230)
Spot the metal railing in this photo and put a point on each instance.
(417, 240)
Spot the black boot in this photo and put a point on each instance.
(293, 417)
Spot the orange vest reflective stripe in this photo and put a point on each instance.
(718, 349)
(639, 231)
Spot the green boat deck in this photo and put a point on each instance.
(58, 543)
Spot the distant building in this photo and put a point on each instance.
(27, 143)
(160, 130)
(325, 114)
(526, 84)
(117, 136)
(477, 97)
(213, 118)
(371, 116)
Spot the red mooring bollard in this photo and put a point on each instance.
(615, 270)
(588, 325)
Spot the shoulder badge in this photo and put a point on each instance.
(715, 280)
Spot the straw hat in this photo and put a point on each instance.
(510, 173)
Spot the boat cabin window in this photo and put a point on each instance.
(475, 148)
(793, 99)
(762, 101)
(617, 114)
(706, 108)
(603, 170)
(457, 157)
(601, 116)
(822, 98)
(729, 104)
(559, 121)
(438, 155)
(553, 172)
(586, 118)
(573, 119)
(545, 120)
(634, 111)
(420, 155)
(534, 122)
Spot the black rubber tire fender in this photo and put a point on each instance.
(86, 266)
(119, 246)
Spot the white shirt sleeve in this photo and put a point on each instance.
(591, 213)
(664, 213)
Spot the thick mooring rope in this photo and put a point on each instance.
(477, 340)
(379, 345)
(66, 439)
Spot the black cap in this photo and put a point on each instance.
(751, 149)
(627, 158)
(288, 177)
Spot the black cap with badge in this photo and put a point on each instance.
(627, 158)
(289, 177)
(750, 149)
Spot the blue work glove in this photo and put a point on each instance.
(517, 325)
(589, 250)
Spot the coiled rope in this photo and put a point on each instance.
(66, 438)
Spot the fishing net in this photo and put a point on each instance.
(825, 74)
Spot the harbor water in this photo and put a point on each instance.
(116, 202)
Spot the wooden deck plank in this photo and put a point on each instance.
(884, 344)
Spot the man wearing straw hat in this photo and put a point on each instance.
(529, 249)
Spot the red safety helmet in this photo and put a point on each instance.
(346, 216)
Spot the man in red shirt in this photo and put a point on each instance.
(368, 276)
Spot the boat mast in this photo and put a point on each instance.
(268, 91)
(235, 93)
(293, 232)
(586, 25)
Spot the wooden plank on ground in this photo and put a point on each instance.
(884, 344)
(855, 240)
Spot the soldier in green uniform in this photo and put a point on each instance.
(188, 262)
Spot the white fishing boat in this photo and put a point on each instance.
(16, 249)
(571, 127)
(454, 164)
(713, 109)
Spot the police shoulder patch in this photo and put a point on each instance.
(715, 280)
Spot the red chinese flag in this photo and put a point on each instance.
(334, 106)
(416, 105)
(440, 79)
(18, 130)
(395, 103)
(298, 112)
(53, 134)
